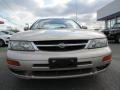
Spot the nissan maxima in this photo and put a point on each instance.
(57, 48)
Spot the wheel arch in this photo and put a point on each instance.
(2, 40)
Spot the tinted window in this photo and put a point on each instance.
(116, 25)
(1, 33)
(5, 32)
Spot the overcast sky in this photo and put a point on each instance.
(19, 12)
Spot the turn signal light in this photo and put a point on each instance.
(107, 58)
(12, 62)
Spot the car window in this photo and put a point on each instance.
(116, 25)
(5, 32)
(2, 33)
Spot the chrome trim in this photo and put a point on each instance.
(63, 69)
(87, 44)
(58, 45)
(35, 47)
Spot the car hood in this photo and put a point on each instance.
(36, 35)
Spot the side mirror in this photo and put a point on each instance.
(84, 27)
(26, 28)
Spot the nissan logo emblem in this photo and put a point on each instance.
(61, 45)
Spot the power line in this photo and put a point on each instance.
(6, 5)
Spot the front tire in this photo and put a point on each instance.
(1, 43)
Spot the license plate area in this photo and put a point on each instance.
(56, 63)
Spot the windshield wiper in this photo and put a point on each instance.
(40, 28)
(60, 27)
(52, 28)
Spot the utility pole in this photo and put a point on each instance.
(76, 10)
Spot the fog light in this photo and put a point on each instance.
(107, 58)
(12, 62)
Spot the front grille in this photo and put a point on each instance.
(61, 45)
(62, 72)
(78, 63)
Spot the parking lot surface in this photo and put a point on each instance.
(108, 80)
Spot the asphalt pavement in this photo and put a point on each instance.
(108, 80)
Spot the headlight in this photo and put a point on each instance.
(97, 43)
(21, 46)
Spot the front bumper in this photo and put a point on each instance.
(59, 74)
(27, 70)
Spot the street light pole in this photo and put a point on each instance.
(76, 11)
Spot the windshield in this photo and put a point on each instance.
(116, 25)
(55, 24)
(2, 33)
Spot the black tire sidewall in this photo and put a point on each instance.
(1, 41)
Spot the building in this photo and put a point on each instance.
(110, 14)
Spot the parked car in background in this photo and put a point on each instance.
(4, 38)
(57, 48)
(9, 32)
(113, 33)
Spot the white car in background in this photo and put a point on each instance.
(57, 48)
(4, 38)
(9, 32)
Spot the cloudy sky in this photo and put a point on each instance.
(19, 12)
